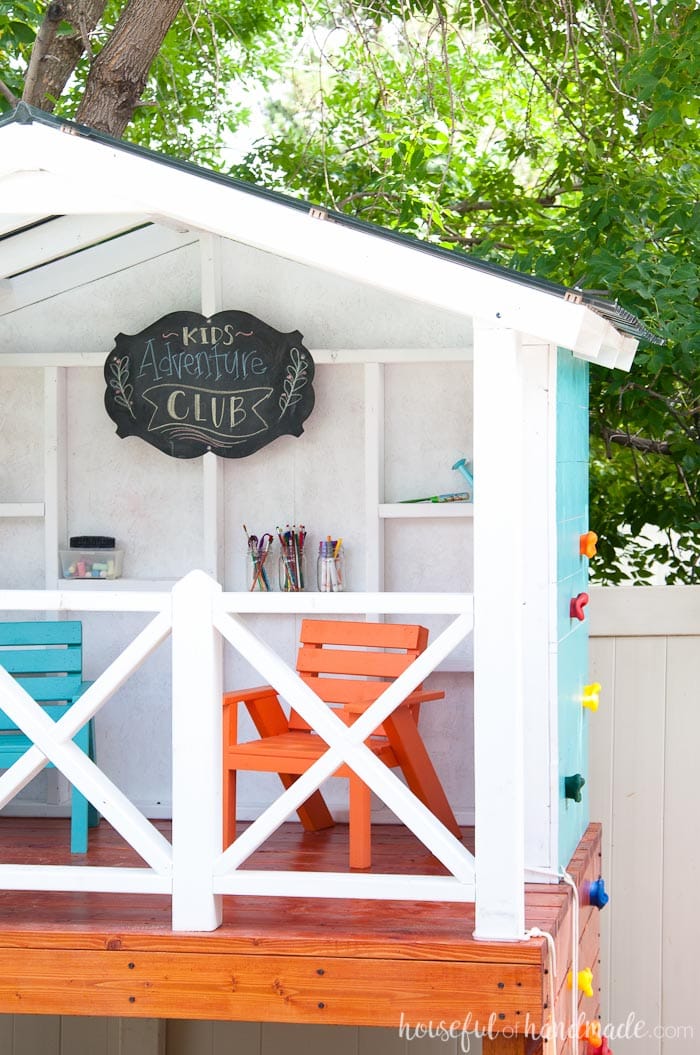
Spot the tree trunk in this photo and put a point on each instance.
(55, 57)
(119, 73)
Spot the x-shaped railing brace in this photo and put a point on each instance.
(346, 745)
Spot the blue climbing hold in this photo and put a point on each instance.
(597, 894)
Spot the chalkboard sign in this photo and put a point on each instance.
(229, 384)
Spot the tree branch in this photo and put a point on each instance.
(636, 443)
(40, 52)
(546, 200)
(8, 93)
(54, 57)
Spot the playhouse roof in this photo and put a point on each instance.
(61, 193)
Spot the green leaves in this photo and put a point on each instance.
(566, 148)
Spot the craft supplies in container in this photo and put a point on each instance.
(257, 567)
(91, 557)
(330, 566)
(292, 559)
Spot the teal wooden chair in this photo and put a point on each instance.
(46, 658)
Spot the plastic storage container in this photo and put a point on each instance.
(91, 563)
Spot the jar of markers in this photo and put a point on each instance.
(330, 566)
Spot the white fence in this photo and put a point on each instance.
(645, 788)
(199, 616)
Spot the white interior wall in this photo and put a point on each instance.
(21, 475)
(152, 503)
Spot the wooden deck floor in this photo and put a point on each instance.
(280, 959)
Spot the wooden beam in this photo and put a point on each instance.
(60, 237)
(10, 222)
(506, 1046)
(96, 263)
(374, 475)
(321, 356)
(265, 988)
(55, 480)
(213, 527)
(21, 509)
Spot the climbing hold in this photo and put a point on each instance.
(591, 1032)
(598, 896)
(587, 544)
(584, 981)
(591, 696)
(572, 787)
(578, 603)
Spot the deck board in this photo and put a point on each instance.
(274, 959)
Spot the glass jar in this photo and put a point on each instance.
(330, 566)
(291, 568)
(259, 570)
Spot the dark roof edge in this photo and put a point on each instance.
(618, 317)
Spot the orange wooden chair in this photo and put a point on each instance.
(347, 664)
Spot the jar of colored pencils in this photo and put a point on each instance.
(292, 561)
(330, 566)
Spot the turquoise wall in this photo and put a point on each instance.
(572, 579)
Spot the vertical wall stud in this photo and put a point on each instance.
(211, 254)
(55, 477)
(374, 476)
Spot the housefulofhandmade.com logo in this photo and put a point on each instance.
(469, 1028)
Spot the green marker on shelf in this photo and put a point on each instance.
(458, 496)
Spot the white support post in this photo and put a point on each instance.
(539, 622)
(213, 516)
(54, 470)
(197, 745)
(55, 525)
(212, 467)
(374, 476)
(498, 620)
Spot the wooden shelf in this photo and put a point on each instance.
(21, 509)
(423, 510)
(116, 584)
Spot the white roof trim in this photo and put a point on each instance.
(73, 174)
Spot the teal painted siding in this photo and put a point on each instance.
(572, 579)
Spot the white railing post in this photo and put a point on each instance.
(197, 766)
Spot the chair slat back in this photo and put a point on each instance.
(46, 658)
(348, 662)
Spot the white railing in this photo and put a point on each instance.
(192, 868)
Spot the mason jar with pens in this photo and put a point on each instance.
(330, 566)
(292, 559)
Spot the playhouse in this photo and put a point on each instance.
(423, 364)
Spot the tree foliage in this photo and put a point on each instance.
(160, 74)
(556, 137)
